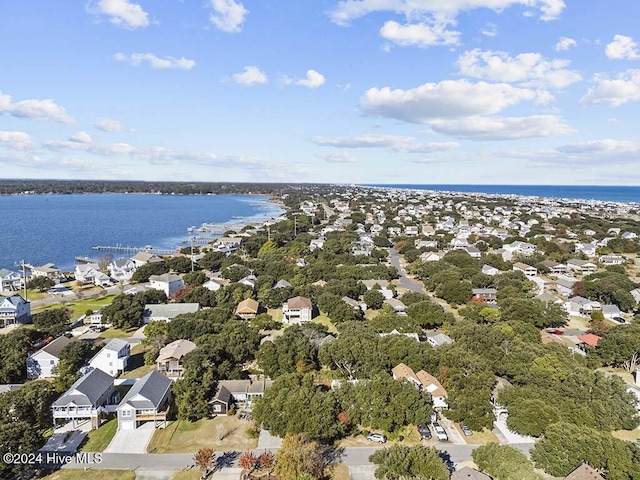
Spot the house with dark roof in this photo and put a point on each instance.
(147, 401)
(169, 361)
(40, 364)
(14, 310)
(85, 400)
(113, 357)
(584, 472)
(241, 392)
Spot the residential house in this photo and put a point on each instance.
(247, 309)
(583, 472)
(214, 284)
(528, 270)
(142, 258)
(48, 270)
(583, 267)
(489, 270)
(437, 339)
(170, 358)
(431, 257)
(95, 318)
(382, 285)
(554, 267)
(473, 251)
(424, 381)
(9, 281)
(122, 269)
(611, 311)
(41, 363)
(85, 400)
(467, 473)
(411, 335)
(113, 357)
(169, 283)
(484, 294)
(426, 244)
(282, 284)
(589, 339)
(588, 249)
(581, 306)
(297, 310)
(635, 293)
(241, 392)
(564, 285)
(428, 230)
(517, 248)
(166, 313)
(148, 400)
(608, 260)
(316, 243)
(249, 281)
(629, 235)
(14, 310)
(90, 273)
(411, 230)
(396, 304)
(355, 304)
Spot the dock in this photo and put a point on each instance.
(129, 249)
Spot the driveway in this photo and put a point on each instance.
(132, 441)
(362, 472)
(511, 437)
(267, 441)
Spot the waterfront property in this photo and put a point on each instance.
(14, 310)
(147, 401)
(169, 283)
(9, 281)
(85, 400)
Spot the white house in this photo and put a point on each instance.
(213, 285)
(122, 269)
(142, 258)
(169, 283)
(611, 311)
(528, 270)
(611, 260)
(148, 400)
(112, 358)
(581, 306)
(14, 310)
(41, 363)
(90, 273)
(85, 400)
(430, 257)
(297, 310)
(382, 285)
(48, 270)
(489, 270)
(9, 281)
(564, 285)
(589, 249)
(582, 266)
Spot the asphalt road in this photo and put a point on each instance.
(179, 461)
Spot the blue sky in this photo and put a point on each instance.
(340, 91)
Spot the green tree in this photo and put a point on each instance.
(504, 463)
(374, 299)
(42, 284)
(143, 273)
(400, 463)
(53, 322)
(620, 347)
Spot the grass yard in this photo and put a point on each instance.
(80, 474)
(326, 321)
(276, 314)
(221, 433)
(98, 440)
(621, 372)
(478, 438)
(340, 472)
(193, 474)
(628, 435)
(135, 366)
(117, 333)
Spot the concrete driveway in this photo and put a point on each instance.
(132, 441)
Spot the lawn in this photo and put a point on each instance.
(98, 440)
(81, 474)
(326, 321)
(135, 366)
(221, 433)
(276, 314)
(478, 438)
(628, 435)
(117, 333)
(193, 474)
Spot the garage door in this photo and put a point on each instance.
(127, 424)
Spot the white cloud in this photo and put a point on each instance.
(122, 13)
(622, 47)
(250, 76)
(446, 99)
(625, 87)
(528, 69)
(34, 109)
(16, 140)
(347, 10)
(228, 15)
(420, 34)
(80, 137)
(565, 43)
(137, 59)
(605, 153)
(397, 143)
(15, 159)
(503, 128)
(336, 157)
(109, 125)
(489, 30)
(312, 80)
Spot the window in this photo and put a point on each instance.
(125, 413)
(52, 362)
(217, 407)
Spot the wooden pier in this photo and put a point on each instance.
(129, 249)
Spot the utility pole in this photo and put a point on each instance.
(295, 225)
(24, 279)
(192, 268)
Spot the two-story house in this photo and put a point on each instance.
(122, 269)
(297, 310)
(9, 281)
(41, 363)
(169, 361)
(147, 401)
(14, 310)
(247, 309)
(169, 283)
(85, 400)
(113, 357)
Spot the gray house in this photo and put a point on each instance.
(148, 400)
(85, 400)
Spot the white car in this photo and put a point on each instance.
(441, 433)
(376, 437)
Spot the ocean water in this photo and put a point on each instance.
(56, 228)
(581, 192)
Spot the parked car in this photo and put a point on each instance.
(466, 430)
(376, 437)
(441, 433)
(557, 332)
(423, 430)
(619, 319)
(434, 417)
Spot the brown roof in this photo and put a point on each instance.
(431, 384)
(584, 472)
(248, 305)
(403, 371)
(177, 350)
(522, 266)
(299, 302)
